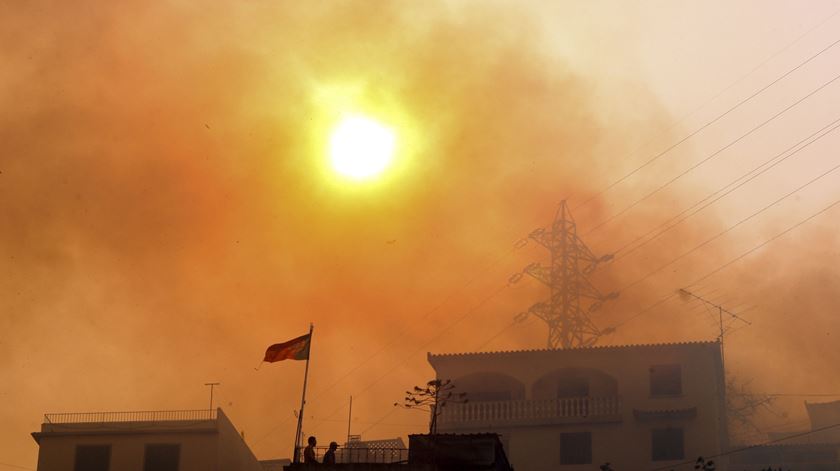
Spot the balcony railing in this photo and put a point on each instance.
(361, 455)
(560, 410)
(135, 416)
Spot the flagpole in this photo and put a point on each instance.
(295, 457)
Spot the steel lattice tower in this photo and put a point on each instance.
(568, 321)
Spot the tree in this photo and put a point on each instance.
(433, 398)
(742, 404)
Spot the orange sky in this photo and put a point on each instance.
(166, 214)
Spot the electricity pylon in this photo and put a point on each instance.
(568, 321)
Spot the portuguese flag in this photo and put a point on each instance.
(295, 349)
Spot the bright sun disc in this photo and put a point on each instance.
(361, 147)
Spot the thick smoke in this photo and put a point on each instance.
(166, 215)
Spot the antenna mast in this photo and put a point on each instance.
(686, 294)
(568, 322)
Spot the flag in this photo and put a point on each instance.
(295, 349)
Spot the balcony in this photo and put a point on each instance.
(568, 410)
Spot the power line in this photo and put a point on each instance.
(769, 58)
(728, 188)
(714, 154)
(714, 120)
(379, 422)
(761, 245)
(499, 333)
(721, 233)
(503, 330)
(730, 262)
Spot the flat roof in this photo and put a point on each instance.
(690, 344)
(129, 423)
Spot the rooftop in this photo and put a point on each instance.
(130, 416)
(699, 343)
(131, 422)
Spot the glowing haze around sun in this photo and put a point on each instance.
(361, 148)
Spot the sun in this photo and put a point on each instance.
(361, 148)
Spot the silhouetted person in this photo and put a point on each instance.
(329, 456)
(309, 451)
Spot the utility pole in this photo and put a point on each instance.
(349, 419)
(568, 321)
(212, 385)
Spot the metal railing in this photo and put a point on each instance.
(361, 455)
(134, 416)
(525, 410)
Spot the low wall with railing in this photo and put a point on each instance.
(133, 416)
(560, 410)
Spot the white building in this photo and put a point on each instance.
(196, 440)
(637, 407)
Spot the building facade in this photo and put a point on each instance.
(199, 440)
(636, 407)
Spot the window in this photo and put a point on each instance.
(576, 448)
(667, 444)
(665, 380)
(161, 457)
(92, 458)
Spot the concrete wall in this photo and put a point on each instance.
(626, 443)
(234, 454)
(57, 452)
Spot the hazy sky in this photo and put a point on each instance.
(166, 213)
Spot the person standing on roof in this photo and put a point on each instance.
(309, 451)
(329, 456)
